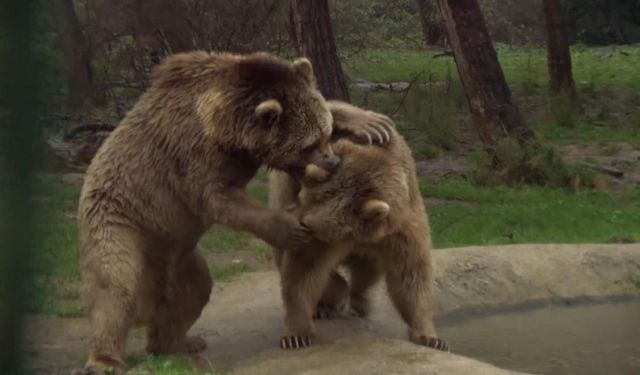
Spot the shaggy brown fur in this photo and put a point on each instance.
(178, 163)
(369, 216)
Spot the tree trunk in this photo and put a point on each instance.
(490, 101)
(432, 32)
(77, 55)
(163, 27)
(558, 54)
(314, 39)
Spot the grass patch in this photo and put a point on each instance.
(634, 280)
(172, 365)
(223, 239)
(228, 273)
(380, 101)
(259, 192)
(54, 258)
(601, 68)
(55, 227)
(472, 215)
(588, 131)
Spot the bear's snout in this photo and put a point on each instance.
(330, 162)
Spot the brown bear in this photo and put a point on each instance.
(369, 216)
(179, 162)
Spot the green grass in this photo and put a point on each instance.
(172, 365)
(56, 229)
(381, 101)
(229, 273)
(591, 66)
(586, 131)
(55, 258)
(634, 281)
(225, 240)
(472, 215)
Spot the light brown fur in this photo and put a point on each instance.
(178, 163)
(370, 217)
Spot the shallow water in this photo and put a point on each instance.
(595, 339)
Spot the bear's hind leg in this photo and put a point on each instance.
(111, 274)
(365, 272)
(174, 315)
(409, 287)
(334, 299)
(304, 277)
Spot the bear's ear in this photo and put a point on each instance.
(268, 112)
(314, 173)
(304, 68)
(375, 209)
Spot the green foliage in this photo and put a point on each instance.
(362, 24)
(431, 114)
(467, 214)
(514, 163)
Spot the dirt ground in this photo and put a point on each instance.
(243, 321)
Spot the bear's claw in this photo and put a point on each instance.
(294, 342)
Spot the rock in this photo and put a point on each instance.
(365, 353)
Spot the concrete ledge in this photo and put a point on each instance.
(247, 315)
(489, 278)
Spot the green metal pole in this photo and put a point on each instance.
(21, 103)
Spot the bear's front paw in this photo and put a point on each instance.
(433, 342)
(294, 342)
(362, 126)
(287, 233)
(194, 344)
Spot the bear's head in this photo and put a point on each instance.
(352, 202)
(256, 104)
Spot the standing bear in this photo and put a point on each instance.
(368, 215)
(178, 163)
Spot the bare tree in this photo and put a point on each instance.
(313, 36)
(558, 54)
(432, 31)
(492, 107)
(76, 52)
